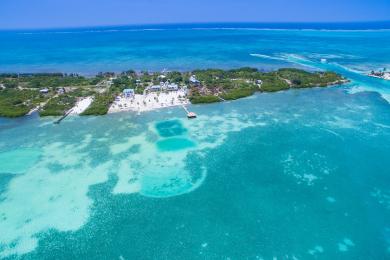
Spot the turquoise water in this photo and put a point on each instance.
(91, 50)
(174, 144)
(300, 174)
(170, 128)
(174, 130)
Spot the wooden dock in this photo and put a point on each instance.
(190, 115)
(185, 109)
(63, 117)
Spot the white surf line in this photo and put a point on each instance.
(291, 58)
(263, 56)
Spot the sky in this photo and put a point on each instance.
(16, 14)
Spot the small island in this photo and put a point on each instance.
(57, 94)
(382, 74)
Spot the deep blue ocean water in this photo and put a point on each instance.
(300, 174)
(90, 50)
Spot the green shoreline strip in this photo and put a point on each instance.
(57, 93)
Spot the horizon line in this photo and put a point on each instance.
(143, 25)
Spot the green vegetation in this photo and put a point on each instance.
(81, 92)
(19, 93)
(304, 79)
(271, 82)
(198, 99)
(140, 81)
(57, 106)
(131, 80)
(15, 103)
(175, 77)
(100, 104)
(238, 93)
(238, 83)
(123, 82)
(47, 80)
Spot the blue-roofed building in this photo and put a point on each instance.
(128, 93)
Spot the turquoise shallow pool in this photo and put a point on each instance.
(170, 128)
(173, 136)
(174, 144)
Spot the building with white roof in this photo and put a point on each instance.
(44, 91)
(193, 80)
(128, 93)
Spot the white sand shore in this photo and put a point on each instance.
(81, 106)
(384, 75)
(35, 109)
(149, 101)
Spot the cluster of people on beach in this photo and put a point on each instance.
(149, 101)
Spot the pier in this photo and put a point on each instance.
(63, 117)
(190, 115)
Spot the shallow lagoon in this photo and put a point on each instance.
(302, 174)
(281, 175)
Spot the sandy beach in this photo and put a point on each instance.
(148, 102)
(81, 106)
